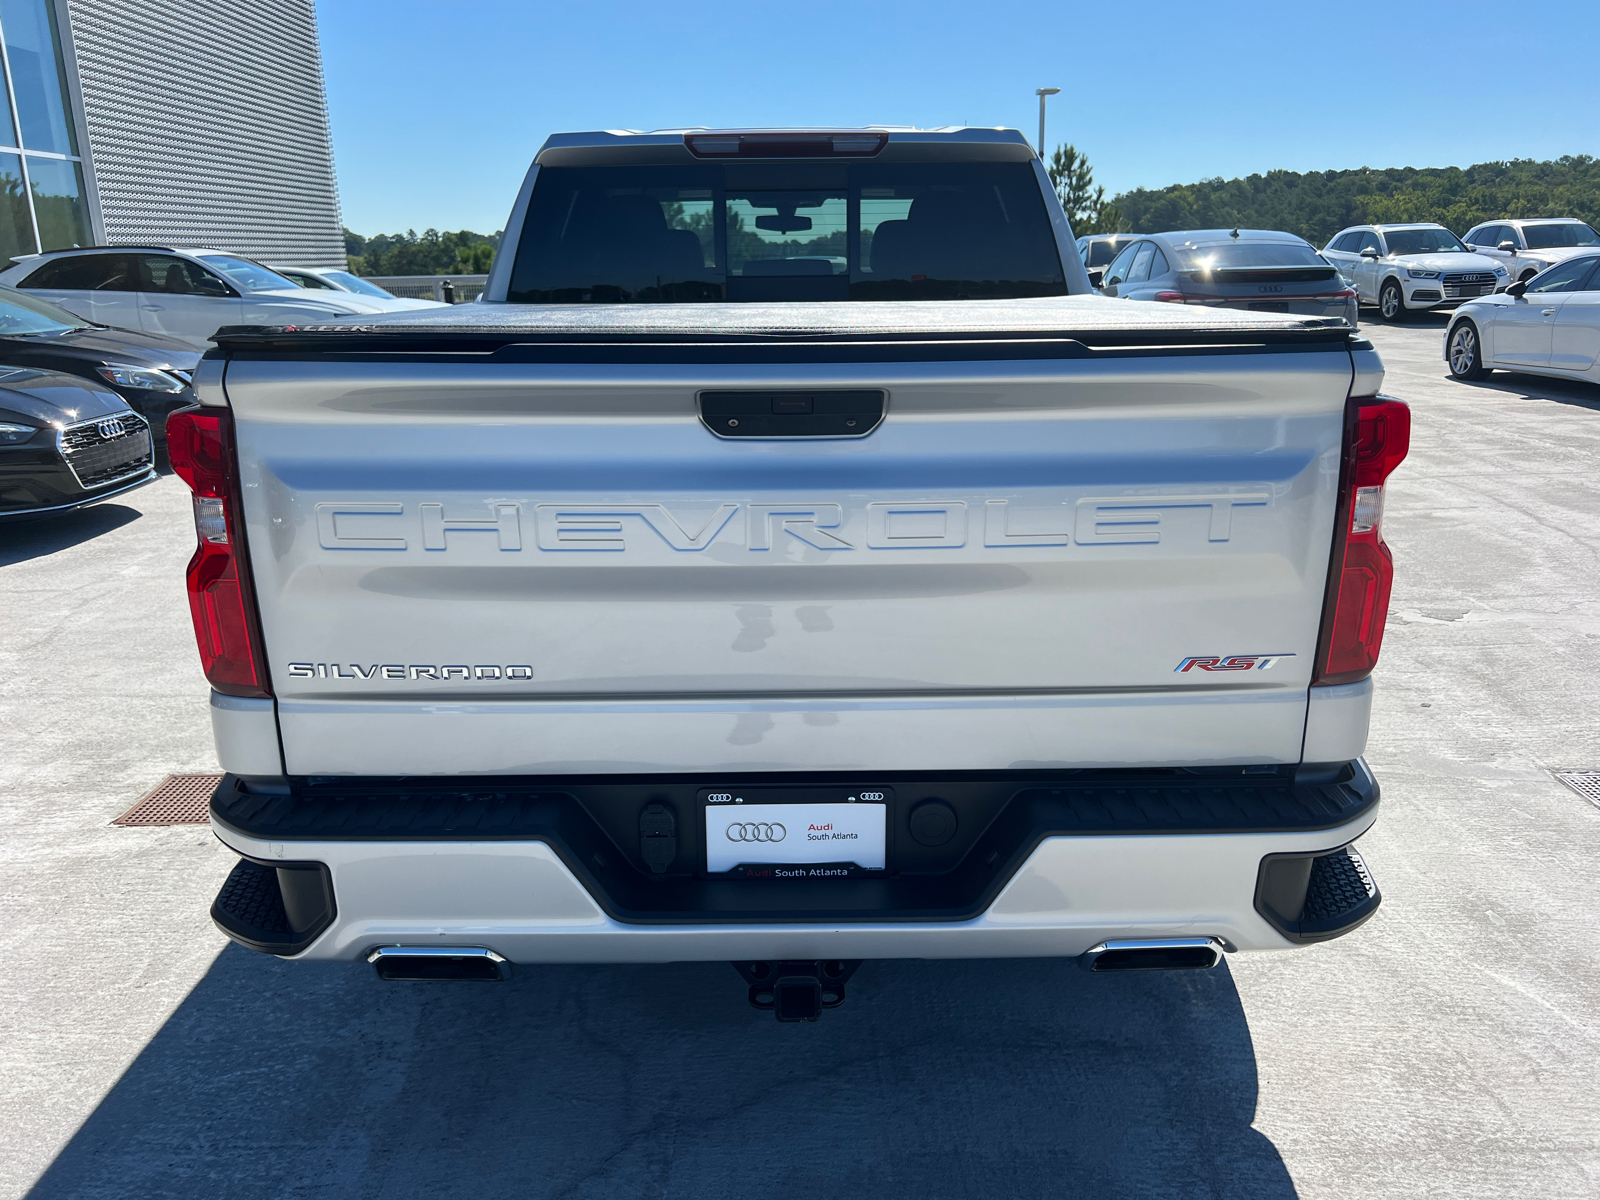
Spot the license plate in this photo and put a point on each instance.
(1270, 306)
(801, 839)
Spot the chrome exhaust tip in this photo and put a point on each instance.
(425, 963)
(1153, 954)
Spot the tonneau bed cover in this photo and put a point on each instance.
(1074, 324)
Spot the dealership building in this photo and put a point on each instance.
(167, 123)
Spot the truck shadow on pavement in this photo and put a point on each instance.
(1013, 1078)
(40, 536)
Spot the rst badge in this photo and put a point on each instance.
(1230, 662)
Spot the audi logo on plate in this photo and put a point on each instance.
(756, 831)
(112, 428)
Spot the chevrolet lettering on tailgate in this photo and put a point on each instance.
(888, 525)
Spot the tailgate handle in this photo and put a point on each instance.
(809, 414)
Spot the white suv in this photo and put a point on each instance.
(185, 294)
(1524, 248)
(1411, 268)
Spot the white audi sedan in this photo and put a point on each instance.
(1526, 247)
(1548, 325)
(185, 294)
(323, 279)
(1411, 268)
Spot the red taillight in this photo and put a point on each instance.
(200, 445)
(1377, 436)
(1170, 297)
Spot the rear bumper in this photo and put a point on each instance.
(1056, 871)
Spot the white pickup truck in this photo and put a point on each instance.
(791, 562)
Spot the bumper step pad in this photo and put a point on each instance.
(1340, 885)
(274, 908)
(1329, 893)
(250, 901)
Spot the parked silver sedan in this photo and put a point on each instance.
(1257, 269)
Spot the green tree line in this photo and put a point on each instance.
(1317, 204)
(429, 253)
(1313, 204)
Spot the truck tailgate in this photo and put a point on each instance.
(508, 567)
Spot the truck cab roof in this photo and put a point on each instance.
(885, 142)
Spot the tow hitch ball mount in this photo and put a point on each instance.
(797, 991)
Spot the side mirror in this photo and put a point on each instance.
(1111, 282)
(1369, 252)
(1508, 247)
(1096, 274)
(1517, 289)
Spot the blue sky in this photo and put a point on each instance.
(438, 107)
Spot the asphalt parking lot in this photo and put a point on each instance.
(1450, 1048)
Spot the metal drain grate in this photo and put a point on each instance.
(1585, 783)
(176, 800)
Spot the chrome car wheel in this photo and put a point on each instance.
(1465, 362)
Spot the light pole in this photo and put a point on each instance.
(1042, 93)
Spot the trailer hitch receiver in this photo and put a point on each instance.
(797, 991)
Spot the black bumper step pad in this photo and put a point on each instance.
(251, 902)
(272, 907)
(1340, 885)
(1329, 893)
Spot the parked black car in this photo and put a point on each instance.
(151, 372)
(66, 443)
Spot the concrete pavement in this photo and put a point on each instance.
(1450, 1048)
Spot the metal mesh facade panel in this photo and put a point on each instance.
(208, 126)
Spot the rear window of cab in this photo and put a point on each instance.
(786, 231)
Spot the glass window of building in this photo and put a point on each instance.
(16, 223)
(58, 204)
(42, 201)
(38, 78)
